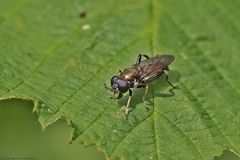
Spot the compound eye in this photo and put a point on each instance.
(114, 80)
(123, 86)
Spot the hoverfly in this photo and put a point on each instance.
(140, 75)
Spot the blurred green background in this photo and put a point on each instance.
(22, 137)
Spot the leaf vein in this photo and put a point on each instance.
(206, 58)
(190, 96)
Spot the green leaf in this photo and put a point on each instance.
(60, 60)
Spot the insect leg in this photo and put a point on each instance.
(118, 97)
(167, 69)
(144, 55)
(128, 102)
(166, 74)
(144, 96)
(139, 58)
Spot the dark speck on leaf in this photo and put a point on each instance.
(82, 14)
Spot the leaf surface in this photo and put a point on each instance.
(60, 60)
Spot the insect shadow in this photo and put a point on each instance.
(158, 88)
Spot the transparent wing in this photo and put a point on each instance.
(151, 74)
(163, 60)
(153, 67)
